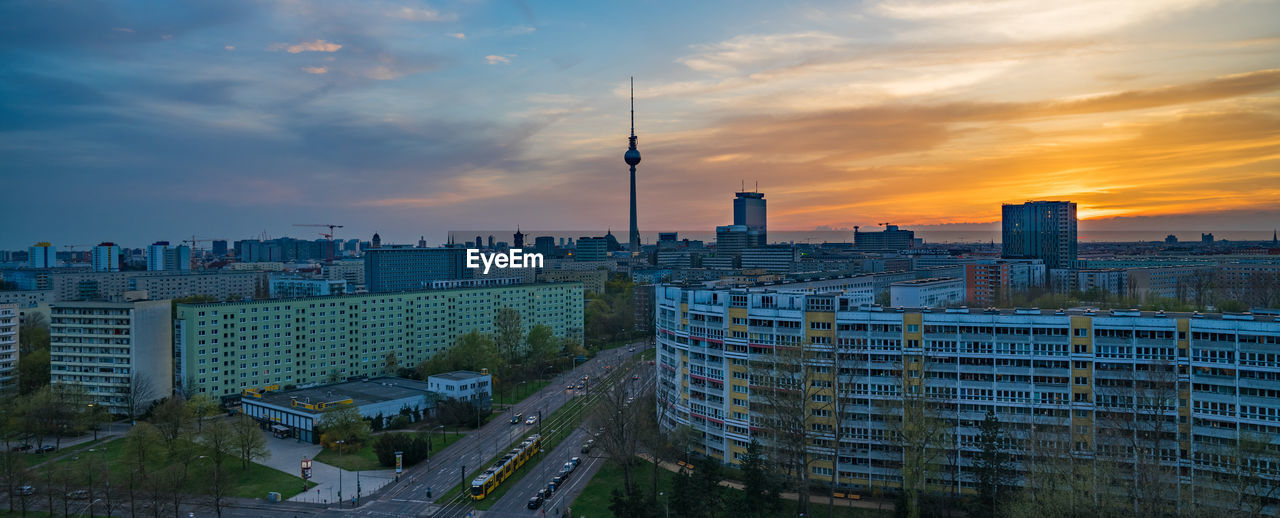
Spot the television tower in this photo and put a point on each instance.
(632, 157)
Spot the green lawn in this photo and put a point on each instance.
(516, 392)
(254, 481)
(596, 496)
(365, 460)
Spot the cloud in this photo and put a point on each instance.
(494, 59)
(734, 54)
(422, 15)
(315, 70)
(308, 46)
(229, 47)
(457, 35)
(1029, 19)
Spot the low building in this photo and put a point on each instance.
(111, 348)
(296, 412)
(476, 387)
(9, 324)
(593, 281)
(927, 293)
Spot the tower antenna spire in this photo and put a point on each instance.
(633, 106)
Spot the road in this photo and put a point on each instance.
(515, 502)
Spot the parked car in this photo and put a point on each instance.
(586, 448)
(515, 419)
(581, 385)
(544, 493)
(26, 490)
(46, 449)
(531, 420)
(535, 502)
(568, 467)
(21, 447)
(576, 461)
(551, 489)
(560, 478)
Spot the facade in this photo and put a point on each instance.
(773, 259)
(9, 326)
(475, 387)
(106, 257)
(42, 255)
(113, 286)
(592, 281)
(404, 269)
(293, 287)
(591, 249)
(891, 238)
(163, 257)
(927, 293)
(222, 349)
(993, 282)
(1112, 281)
(1044, 230)
(104, 346)
(1115, 390)
(1169, 282)
(733, 239)
(26, 298)
(749, 211)
(296, 412)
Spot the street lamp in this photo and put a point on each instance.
(340, 470)
(666, 502)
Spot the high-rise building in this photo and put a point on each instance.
(1044, 230)
(632, 157)
(733, 239)
(163, 257)
(545, 245)
(111, 348)
(323, 339)
(1157, 401)
(42, 255)
(106, 257)
(403, 268)
(591, 249)
(218, 248)
(891, 238)
(749, 210)
(9, 326)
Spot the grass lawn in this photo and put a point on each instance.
(596, 497)
(517, 392)
(364, 459)
(254, 481)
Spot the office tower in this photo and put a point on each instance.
(1082, 387)
(890, 239)
(402, 268)
(106, 257)
(42, 255)
(749, 210)
(322, 339)
(1044, 230)
(545, 245)
(218, 248)
(591, 249)
(108, 347)
(772, 258)
(9, 327)
(163, 257)
(632, 157)
(733, 239)
(490, 241)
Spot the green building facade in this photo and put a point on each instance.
(223, 349)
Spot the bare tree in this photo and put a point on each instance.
(139, 451)
(1138, 419)
(248, 441)
(138, 395)
(917, 428)
(796, 388)
(220, 438)
(620, 420)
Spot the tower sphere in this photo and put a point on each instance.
(632, 156)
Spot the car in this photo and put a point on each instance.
(651, 362)
(26, 490)
(576, 461)
(544, 493)
(551, 489)
(581, 385)
(568, 467)
(586, 448)
(569, 386)
(561, 477)
(535, 502)
(21, 447)
(46, 449)
(635, 376)
(515, 419)
(631, 349)
(630, 400)
(531, 420)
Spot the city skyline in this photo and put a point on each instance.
(128, 123)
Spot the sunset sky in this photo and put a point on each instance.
(138, 121)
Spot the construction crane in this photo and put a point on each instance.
(330, 235)
(195, 247)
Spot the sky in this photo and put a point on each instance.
(140, 121)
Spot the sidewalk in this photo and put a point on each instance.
(287, 455)
(879, 505)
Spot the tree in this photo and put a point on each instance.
(392, 364)
(33, 371)
(472, 351)
(172, 418)
(1137, 419)
(248, 441)
(620, 420)
(94, 417)
(345, 424)
(220, 438)
(508, 333)
(923, 438)
(795, 401)
(992, 468)
(201, 406)
(414, 448)
(139, 394)
(33, 334)
(760, 495)
(139, 451)
(542, 344)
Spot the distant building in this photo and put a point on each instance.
(474, 387)
(1111, 281)
(591, 249)
(106, 257)
(113, 286)
(103, 347)
(749, 211)
(545, 245)
(1206, 238)
(733, 239)
(292, 286)
(296, 412)
(891, 238)
(163, 257)
(773, 259)
(593, 281)
(1171, 239)
(42, 255)
(993, 282)
(218, 248)
(927, 293)
(517, 240)
(401, 268)
(9, 325)
(1044, 230)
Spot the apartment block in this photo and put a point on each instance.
(593, 281)
(9, 328)
(927, 293)
(1116, 391)
(222, 349)
(104, 347)
(113, 286)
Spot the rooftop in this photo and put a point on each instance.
(457, 375)
(375, 390)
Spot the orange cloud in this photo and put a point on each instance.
(308, 46)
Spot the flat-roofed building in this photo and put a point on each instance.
(111, 349)
(927, 293)
(296, 412)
